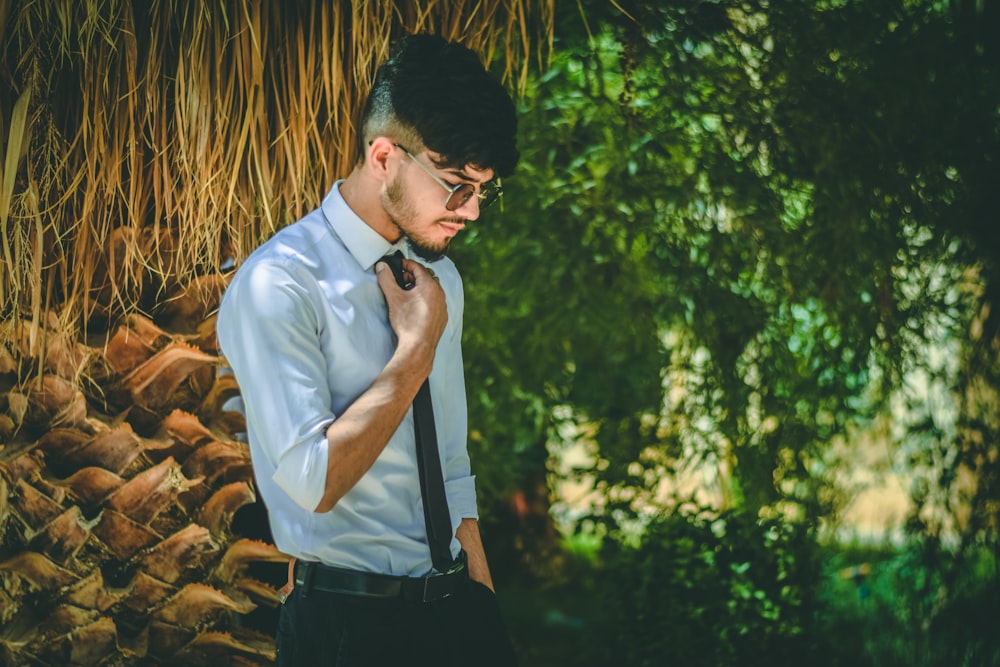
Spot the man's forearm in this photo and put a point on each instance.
(357, 437)
(472, 543)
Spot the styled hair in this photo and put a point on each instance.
(437, 95)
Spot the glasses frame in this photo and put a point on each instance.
(488, 194)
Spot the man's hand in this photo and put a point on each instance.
(418, 315)
(468, 536)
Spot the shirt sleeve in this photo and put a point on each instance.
(268, 333)
(460, 486)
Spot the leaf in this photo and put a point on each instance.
(8, 177)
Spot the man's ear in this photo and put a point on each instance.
(377, 161)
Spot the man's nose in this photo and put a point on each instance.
(470, 209)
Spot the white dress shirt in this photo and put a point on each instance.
(305, 328)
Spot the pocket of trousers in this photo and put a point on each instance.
(483, 630)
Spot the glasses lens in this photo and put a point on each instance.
(489, 194)
(459, 196)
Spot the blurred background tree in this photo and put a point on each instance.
(750, 243)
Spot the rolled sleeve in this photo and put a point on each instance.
(462, 498)
(451, 411)
(301, 472)
(268, 335)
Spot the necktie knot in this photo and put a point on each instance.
(395, 262)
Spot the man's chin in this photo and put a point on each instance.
(427, 253)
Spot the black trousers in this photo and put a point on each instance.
(322, 629)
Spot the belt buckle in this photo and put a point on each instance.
(428, 595)
(441, 577)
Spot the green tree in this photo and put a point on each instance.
(738, 229)
(740, 232)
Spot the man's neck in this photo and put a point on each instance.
(362, 195)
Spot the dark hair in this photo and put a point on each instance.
(438, 94)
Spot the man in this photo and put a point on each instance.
(329, 352)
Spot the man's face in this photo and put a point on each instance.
(416, 204)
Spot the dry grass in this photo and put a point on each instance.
(146, 143)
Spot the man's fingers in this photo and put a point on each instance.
(404, 281)
(384, 275)
(418, 270)
(414, 273)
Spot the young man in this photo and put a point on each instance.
(329, 353)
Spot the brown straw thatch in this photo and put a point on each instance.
(145, 143)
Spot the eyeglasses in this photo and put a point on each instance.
(461, 193)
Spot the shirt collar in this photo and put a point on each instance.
(364, 243)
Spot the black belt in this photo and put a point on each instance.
(318, 577)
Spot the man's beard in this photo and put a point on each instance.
(396, 198)
(426, 253)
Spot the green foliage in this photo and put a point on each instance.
(727, 590)
(738, 229)
(905, 613)
(735, 591)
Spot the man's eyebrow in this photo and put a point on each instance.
(459, 173)
(463, 176)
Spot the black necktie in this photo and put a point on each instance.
(436, 514)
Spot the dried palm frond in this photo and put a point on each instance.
(145, 144)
